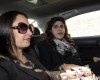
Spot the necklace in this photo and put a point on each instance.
(28, 64)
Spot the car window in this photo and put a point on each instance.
(87, 24)
(34, 22)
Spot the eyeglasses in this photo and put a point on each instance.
(22, 28)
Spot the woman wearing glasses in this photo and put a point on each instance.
(57, 47)
(15, 36)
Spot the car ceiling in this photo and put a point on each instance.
(40, 8)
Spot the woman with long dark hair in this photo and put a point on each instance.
(15, 36)
(57, 47)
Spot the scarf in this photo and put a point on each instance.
(62, 46)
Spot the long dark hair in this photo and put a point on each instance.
(49, 36)
(7, 41)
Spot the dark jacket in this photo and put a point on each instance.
(12, 71)
(52, 60)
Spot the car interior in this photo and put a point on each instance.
(40, 11)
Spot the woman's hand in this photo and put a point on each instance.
(96, 59)
(67, 66)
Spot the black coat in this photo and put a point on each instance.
(12, 71)
(52, 60)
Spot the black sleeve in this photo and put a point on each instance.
(95, 67)
(3, 74)
(68, 58)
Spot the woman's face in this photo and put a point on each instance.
(22, 40)
(58, 30)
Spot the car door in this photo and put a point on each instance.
(88, 47)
